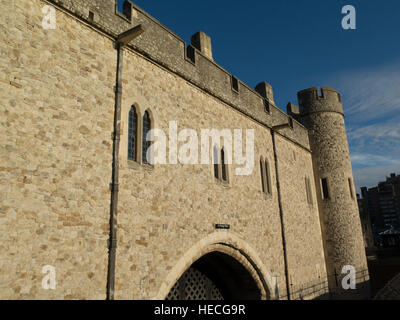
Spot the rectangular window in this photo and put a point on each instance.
(91, 16)
(235, 84)
(223, 166)
(325, 189)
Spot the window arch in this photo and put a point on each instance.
(146, 130)
(132, 134)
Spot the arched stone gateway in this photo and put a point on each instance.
(220, 267)
(216, 276)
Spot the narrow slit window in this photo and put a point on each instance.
(216, 162)
(132, 134)
(262, 170)
(223, 166)
(145, 143)
(351, 188)
(325, 189)
(308, 191)
(268, 178)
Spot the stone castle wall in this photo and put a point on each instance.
(176, 206)
(57, 108)
(57, 93)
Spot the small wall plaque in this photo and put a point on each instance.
(222, 226)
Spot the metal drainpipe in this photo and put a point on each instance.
(112, 243)
(122, 40)
(281, 215)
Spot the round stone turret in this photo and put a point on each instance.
(341, 229)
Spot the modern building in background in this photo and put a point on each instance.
(383, 206)
(365, 223)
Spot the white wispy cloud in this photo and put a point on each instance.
(373, 160)
(371, 94)
(383, 136)
(371, 100)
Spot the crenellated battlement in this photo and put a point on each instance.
(312, 101)
(193, 61)
(325, 93)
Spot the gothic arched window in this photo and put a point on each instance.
(132, 134)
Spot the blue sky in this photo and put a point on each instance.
(295, 45)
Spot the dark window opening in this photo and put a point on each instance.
(132, 134)
(268, 177)
(351, 188)
(223, 165)
(325, 190)
(235, 84)
(216, 162)
(145, 143)
(91, 16)
(262, 175)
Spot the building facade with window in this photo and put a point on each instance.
(383, 204)
(80, 191)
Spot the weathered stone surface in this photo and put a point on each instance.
(57, 111)
(55, 168)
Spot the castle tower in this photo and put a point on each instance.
(340, 221)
